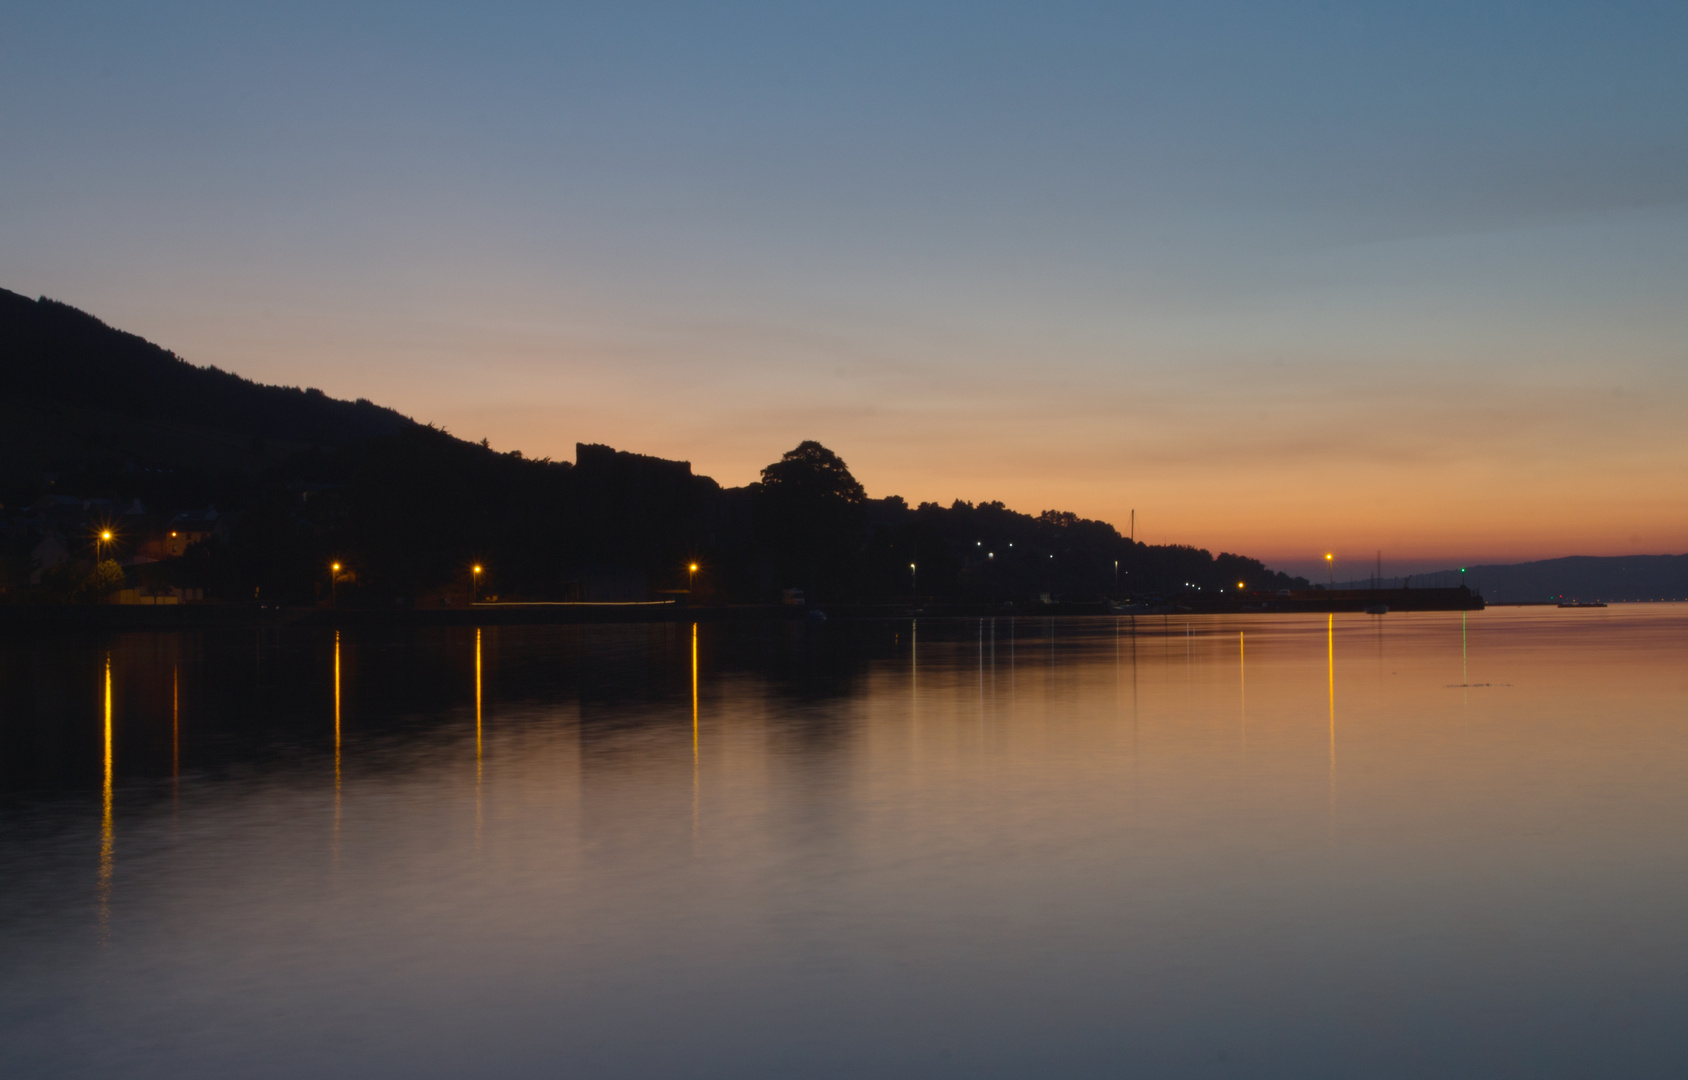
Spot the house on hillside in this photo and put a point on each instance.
(48, 552)
(189, 528)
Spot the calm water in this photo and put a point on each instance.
(1419, 845)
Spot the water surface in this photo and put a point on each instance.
(1422, 844)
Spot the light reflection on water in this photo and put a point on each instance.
(1001, 847)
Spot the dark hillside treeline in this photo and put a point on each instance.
(107, 431)
(54, 353)
(410, 515)
(88, 404)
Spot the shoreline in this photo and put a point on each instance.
(202, 616)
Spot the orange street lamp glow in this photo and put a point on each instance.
(105, 535)
(1239, 584)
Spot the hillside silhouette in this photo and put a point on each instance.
(217, 487)
(1573, 577)
(80, 397)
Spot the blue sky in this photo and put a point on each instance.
(1212, 261)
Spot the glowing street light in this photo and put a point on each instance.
(913, 580)
(334, 584)
(100, 541)
(1330, 563)
(691, 576)
(474, 581)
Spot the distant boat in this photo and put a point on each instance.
(1582, 603)
(1378, 609)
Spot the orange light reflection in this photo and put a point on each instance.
(108, 837)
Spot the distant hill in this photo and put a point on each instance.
(1576, 577)
(74, 391)
(1587, 577)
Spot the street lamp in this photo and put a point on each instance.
(913, 581)
(1116, 577)
(1330, 563)
(691, 576)
(103, 539)
(333, 584)
(474, 581)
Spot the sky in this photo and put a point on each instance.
(1286, 279)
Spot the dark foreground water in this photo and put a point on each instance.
(1421, 845)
